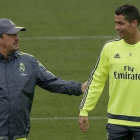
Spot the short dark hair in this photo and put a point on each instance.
(1, 36)
(130, 12)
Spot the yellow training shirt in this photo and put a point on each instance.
(121, 61)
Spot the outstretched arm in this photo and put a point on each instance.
(48, 81)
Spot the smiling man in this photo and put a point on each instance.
(119, 59)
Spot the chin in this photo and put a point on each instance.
(122, 37)
(17, 48)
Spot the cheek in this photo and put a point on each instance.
(7, 44)
(125, 29)
(128, 30)
(10, 42)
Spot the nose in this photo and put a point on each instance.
(16, 37)
(117, 26)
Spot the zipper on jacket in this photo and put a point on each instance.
(6, 65)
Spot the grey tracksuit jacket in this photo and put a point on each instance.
(18, 77)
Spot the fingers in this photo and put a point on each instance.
(84, 86)
(83, 123)
(84, 127)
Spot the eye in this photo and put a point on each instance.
(121, 23)
(10, 34)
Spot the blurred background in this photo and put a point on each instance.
(66, 36)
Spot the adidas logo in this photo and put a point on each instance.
(117, 56)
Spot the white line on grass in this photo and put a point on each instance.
(66, 118)
(67, 37)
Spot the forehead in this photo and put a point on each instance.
(8, 35)
(119, 18)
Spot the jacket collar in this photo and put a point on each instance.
(15, 54)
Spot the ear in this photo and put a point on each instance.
(0, 41)
(135, 23)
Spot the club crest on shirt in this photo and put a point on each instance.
(22, 69)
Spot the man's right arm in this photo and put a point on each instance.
(94, 89)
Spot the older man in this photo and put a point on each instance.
(19, 74)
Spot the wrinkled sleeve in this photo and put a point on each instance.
(96, 83)
(48, 81)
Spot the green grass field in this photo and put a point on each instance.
(66, 36)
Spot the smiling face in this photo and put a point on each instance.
(9, 42)
(124, 28)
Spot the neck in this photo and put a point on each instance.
(5, 53)
(135, 38)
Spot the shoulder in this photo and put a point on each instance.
(25, 57)
(112, 41)
(23, 54)
(111, 45)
